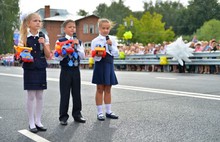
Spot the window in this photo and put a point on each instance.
(91, 29)
(96, 29)
(85, 29)
(87, 44)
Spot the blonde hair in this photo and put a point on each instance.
(105, 20)
(24, 27)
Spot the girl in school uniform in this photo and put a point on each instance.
(34, 73)
(70, 79)
(103, 74)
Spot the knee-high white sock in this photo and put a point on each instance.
(108, 108)
(99, 109)
(39, 107)
(30, 107)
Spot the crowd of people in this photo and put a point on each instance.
(150, 48)
(7, 59)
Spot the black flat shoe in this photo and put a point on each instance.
(80, 119)
(111, 115)
(41, 128)
(33, 130)
(63, 122)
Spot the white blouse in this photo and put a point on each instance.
(101, 40)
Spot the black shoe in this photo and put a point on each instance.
(41, 128)
(79, 119)
(33, 130)
(63, 122)
(111, 115)
(100, 117)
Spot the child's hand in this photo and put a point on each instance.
(41, 40)
(76, 41)
(109, 42)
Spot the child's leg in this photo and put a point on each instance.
(65, 85)
(107, 98)
(76, 95)
(99, 97)
(39, 107)
(30, 107)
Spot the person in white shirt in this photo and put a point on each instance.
(70, 75)
(103, 74)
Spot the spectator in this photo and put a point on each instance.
(206, 47)
(213, 47)
(199, 48)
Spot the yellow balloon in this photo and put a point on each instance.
(128, 35)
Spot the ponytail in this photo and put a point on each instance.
(23, 31)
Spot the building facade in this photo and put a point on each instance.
(86, 27)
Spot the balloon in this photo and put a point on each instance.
(180, 51)
(128, 35)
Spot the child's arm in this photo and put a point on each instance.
(114, 51)
(58, 58)
(81, 51)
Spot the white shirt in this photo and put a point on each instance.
(101, 40)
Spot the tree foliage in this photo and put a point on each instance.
(115, 12)
(171, 12)
(183, 20)
(198, 12)
(9, 22)
(149, 28)
(82, 12)
(101, 10)
(210, 30)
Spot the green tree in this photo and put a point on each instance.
(101, 10)
(9, 22)
(138, 14)
(209, 30)
(198, 12)
(82, 12)
(171, 12)
(149, 28)
(148, 6)
(115, 12)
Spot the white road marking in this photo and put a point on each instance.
(12, 75)
(32, 136)
(170, 92)
(0, 117)
(165, 78)
(144, 89)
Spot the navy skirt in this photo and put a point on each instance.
(35, 79)
(103, 72)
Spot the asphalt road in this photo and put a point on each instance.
(153, 107)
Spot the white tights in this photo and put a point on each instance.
(34, 115)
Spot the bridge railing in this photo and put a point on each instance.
(198, 58)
